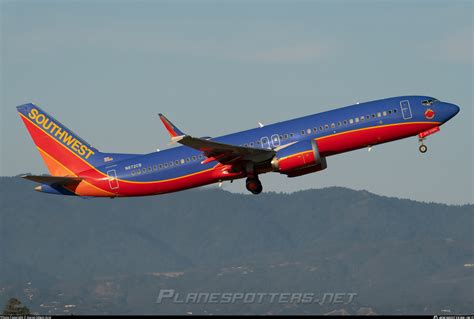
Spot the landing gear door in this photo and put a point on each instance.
(406, 110)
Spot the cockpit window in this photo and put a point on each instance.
(429, 101)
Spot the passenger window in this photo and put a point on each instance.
(171, 164)
(194, 158)
(176, 162)
(357, 120)
(188, 159)
(362, 118)
(144, 170)
(351, 121)
(339, 123)
(379, 114)
(321, 128)
(160, 166)
(345, 122)
(139, 172)
(384, 113)
(333, 125)
(315, 130)
(326, 126)
(373, 115)
(302, 132)
(394, 110)
(133, 173)
(166, 165)
(149, 169)
(368, 117)
(155, 167)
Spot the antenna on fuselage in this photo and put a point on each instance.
(260, 124)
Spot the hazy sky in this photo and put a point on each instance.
(106, 68)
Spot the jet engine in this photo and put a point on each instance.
(299, 159)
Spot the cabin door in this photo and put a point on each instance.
(406, 110)
(276, 140)
(265, 142)
(112, 177)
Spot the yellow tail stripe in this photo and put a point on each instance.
(72, 173)
(103, 174)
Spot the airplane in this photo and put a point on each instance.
(294, 148)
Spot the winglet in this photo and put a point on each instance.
(176, 139)
(172, 130)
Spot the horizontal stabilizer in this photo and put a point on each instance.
(53, 180)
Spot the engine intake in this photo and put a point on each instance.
(299, 159)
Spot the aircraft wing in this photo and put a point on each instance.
(215, 151)
(226, 153)
(53, 180)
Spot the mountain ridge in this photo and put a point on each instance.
(103, 254)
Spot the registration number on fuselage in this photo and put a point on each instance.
(133, 166)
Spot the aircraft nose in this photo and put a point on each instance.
(454, 109)
(451, 110)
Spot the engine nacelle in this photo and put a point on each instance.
(299, 159)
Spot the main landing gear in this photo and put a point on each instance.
(423, 148)
(252, 183)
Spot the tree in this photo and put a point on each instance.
(13, 307)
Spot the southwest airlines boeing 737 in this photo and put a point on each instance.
(294, 148)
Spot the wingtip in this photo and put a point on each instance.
(170, 127)
(176, 139)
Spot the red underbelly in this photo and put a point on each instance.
(359, 138)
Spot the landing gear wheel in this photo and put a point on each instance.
(423, 148)
(254, 186)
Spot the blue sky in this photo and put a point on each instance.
(106, 68)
